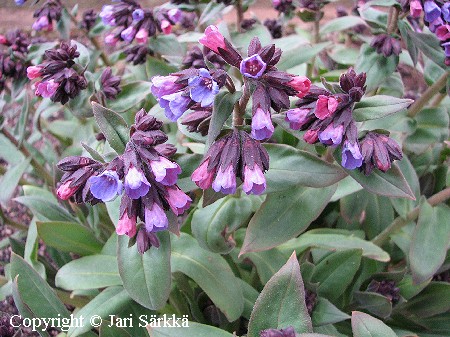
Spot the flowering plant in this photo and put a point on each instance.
(280, 178)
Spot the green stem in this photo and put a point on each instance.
(239, 107)
(315, 40)
(36, 165)
(400, 222)
(428, 95)
(239, 15)
(393, 20)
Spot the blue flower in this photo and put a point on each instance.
(20, 2)
(106, 185)
(332, 135)
(174, 105)
(351, 155)
(136, 185)
(432, 11)
(138, 14)
(155, 219)
(203, 88)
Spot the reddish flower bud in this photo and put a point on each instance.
(213, 39)
(166, 27)
(34, 72)
(302, 84)
(326, 106)
(126, 226)
(311, 136)
(64, 191)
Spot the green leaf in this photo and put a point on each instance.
(290, 168)
(272, 225)
(36, 294)
(377, 66)
(89, 272)
(342, 23)
(326, 313)
(212, 224)
(157, 67)
(405, 29)
(131, 95)
(69, 237)
(293, 58)
(430, 242)
(194, 330)
(282, 302)
(336, 242)
(267, 263)
(250, 296)
(430, 301)
(223, 108)
(430, 46)
(374, 303)
(391, 183)
(45, 209)
(335, 273)
(112, 331)
(63, 25)
(379, 106)
(11, 178)
(108, 302)
(146, 277)
(113, 127)
(211, 272)
(364, 325)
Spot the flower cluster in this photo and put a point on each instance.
(272, 87)
(198, 120)
(327, 118)
(89, 19)
(234, 155)
(284, 6)
(287, 332)
(49, 12)
(387, 288)
(275, 28)
(59, 79)
(387, 45)
(195, 58)
(181, 91)
(109, 84)
(437, 18)
(143, 175)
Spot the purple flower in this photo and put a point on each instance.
(106, 185)
(174, 105)
(174, 15)
(164, 85)
(136, 185)
(126, 226)
(332, 135)
(20, 2)
(262, 127)
(254, 180)
(128, 34)
(203, 88)
(202, 177)
(46, 89)
(138, 15)
(253, 66)
(432, 11)
(178, 200)
(165, 171)
(42, 23)
(446, 11)
(155, 219)
(225, 181)
(446, 48)
(296, 118)
(351, 155)
(107, 15)
(435, 24)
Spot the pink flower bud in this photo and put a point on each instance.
(326, 106)
(166, 27)
(443, 32)
(111, 40)
(46, 89)
(64, 191)
(3, 39)
(415, 8)
(33, 72)
(202, 177)
(311, 136)
(142, 36)
(126, 226)
(301, 84)
(213, 39)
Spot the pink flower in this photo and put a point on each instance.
(142, 36)
(301, 84)
(326, 106)
(443, 32)
(126, 226)
(254, 180)
(64, 191)
(311, 136)
(202, 177)
(166, 27)
(3, 39)
(213, 39)
(46, 88)
(33, 72)
(178, 200)
(415, 8)
(111, 40)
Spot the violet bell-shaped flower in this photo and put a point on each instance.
(254, 180)
(297, 118)
(178, 200)
(432, 11)
(225, 181)
(155, 219)
(136, 184)
(166, 172)
(106, 186)
(203, 88)
(262, 127)
(332, 135)
(351, 155)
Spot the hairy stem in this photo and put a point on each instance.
(36, 165)
(393, 19)
(428, 95)
(239, 15)
(239, 107)
(315, 40)
(400, 222)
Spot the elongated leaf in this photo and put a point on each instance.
(146, 277)
(341, 24)
(336, 242)
(379, 106)
(35, 293)
(89, 272)
(10, 180)
(267, 263)
(326, 313)
(132, 94)
(211, 224)
(112, 125)
(108, 302)
(430, 301)
(45, 209)
(250, 296)
(112, 331)
(223, 108)
(271, 226)
(282, 302)
(335, 273)
(429, 45)
(69, 237)
(290, 167)
(391, 183)
(63, 25)
(364, 325)
(157, 67)
(211, 273)
(194, 330)
(430, 242)
(374, 303)
(293, 58)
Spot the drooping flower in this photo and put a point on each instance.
(203, 88)
(225, 181)
(432, 11)
(311, 136)
(42, 24)
(202, 177)
(142, 36)
(138, 14)
(297, 118)
(300, 83)
(415, 8)
(253, 66)
(165, 171)
(326, 106)
(178, 200)
(106, 186)
(175, 105)
(351, 155)
(34, 72)
(155, 219)
(136, 184)
(166, 27)
(254, 180)
(286, 332)
(443, 32)
(332, 135)
(262, 127)
(213, 39)
(46, 89)
(126, 226)
(65, 191)
(109, 84)
(128, 34)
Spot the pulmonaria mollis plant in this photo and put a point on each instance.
(327, 117)
(143, 176)
(47, 14)
(61, 78)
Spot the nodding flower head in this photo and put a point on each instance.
(203, 88)
(351, 155)
(105, 186)
(126, 226)
(155, 219)
(213, 39)
(262, 127)
(166, 172)
(136, 184)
